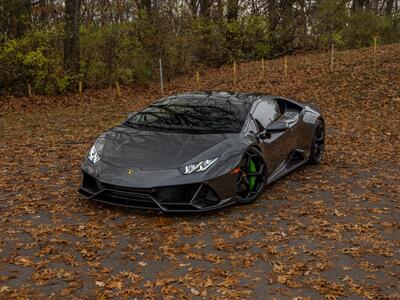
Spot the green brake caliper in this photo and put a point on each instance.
(251, 168)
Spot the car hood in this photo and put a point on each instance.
(156, 150)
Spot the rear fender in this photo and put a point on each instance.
(309, 121)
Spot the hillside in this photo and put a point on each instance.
(326, 231)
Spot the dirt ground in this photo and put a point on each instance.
(329, 231)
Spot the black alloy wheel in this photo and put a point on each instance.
(318, 143)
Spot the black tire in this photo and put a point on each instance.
(318, 143)
(251, 184)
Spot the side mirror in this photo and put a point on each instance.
(130, 114)
(277, 127)
(262, 133)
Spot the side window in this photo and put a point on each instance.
(251, 127)
(267, 112)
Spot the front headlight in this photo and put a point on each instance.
(97, 149)
(199, 166)
(93, 156)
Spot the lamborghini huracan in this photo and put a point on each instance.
(201, 151)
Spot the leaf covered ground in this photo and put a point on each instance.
(330, 231)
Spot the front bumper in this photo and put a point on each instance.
(191, 197)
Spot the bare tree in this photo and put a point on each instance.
(71, 39)
(15, 17)
(389, 8)
(205, 6)
(233, 10)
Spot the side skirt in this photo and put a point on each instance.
(284, 168)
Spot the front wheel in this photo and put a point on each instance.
(251, 176)
(318, 143)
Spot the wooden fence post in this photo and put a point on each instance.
(375, 48)
(332, 58)
(198, 80)
(262, 68)
(80, 86)
(29, 90)
(285, 65)
(161, 78)
(117, 89)
(234, 74)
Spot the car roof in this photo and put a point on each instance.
(222, 96)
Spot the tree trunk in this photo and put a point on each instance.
(205, 8)
(220, 10)
(71, 39)
(389, 8)
(15, 17)
(145, 5)
(233, 10)
(358, 5)
(193, 6)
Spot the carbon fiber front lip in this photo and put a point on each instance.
(183, 207)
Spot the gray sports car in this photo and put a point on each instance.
(201, 151)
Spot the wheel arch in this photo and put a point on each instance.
(320, 118)
(264, 179)
(255, 147)
(317, 124)
(258, 148)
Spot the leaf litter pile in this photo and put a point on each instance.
(329, 231)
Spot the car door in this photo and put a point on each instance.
(274, 146)
(291, 114)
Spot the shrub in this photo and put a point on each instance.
(331, 18)
(363, 26)
(30, 59)
(128, 52)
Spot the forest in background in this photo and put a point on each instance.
(53, 44)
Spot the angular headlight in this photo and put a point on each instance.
(97, 149)
(199, 166)
(93, 156)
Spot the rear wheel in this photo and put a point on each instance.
(318, 143)
(251, 176)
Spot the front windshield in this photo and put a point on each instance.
(192, 114)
